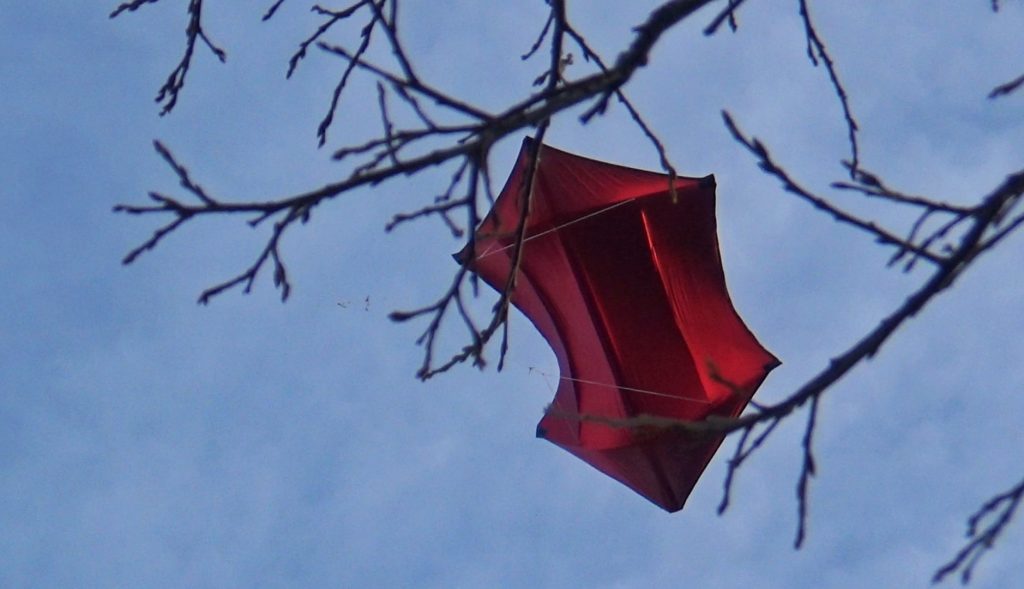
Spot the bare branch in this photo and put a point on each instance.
(591, 55)
(391, 146)
(270, 251)
(996, 514)
(499, 315)
(728, 14)
(183, 175)
(1007, 88)
(475, 143)
(769, 166)
(442, 205)
(133, 5)
(950, 237)
(744, 450)
(415, 105)
(333, 18)
(272, 10)
(971, 245)
(540, 38)
(159, 234)
(1002, 233)
(168, 93)
(390, 26)
(816, 50)
(871, 185)
(364, 44)
(807, 470)
(417, 86)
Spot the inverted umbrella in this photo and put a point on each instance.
(623, 278)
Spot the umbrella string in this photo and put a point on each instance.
(619, 387)
(490, 250)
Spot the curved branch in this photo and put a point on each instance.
(998, 512)
(465, 145)
(485, 131)
(168, 93)
(816, 50)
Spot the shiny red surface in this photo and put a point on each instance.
(628, 289)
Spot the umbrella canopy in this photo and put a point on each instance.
(624, 280)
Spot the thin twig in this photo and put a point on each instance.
(996, 514)
(364, 44)
(769, 166)
(807, 470)
(816, 50)
(172, 87)
(728, 14)
(1007, 88)
(133, 5)
(334, 16)
(272, 10)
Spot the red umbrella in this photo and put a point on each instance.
(625, 283)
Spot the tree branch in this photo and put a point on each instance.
(996, 514)
(949, 237)
(471, 145)
(982, 219)
(816, 50)
(768, 165)
(168, 93)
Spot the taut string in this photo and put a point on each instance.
(622, 388)
(490, 251)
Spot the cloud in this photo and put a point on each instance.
(152, 442)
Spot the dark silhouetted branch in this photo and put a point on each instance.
(727, 15)
(983, 222)
(769, 166)
(333, 18)
(1007, 88)
(269, 14)
(425, 126)
(816, 50)
(807, 470)
(398, 152)
(168, 93)
(984, 528)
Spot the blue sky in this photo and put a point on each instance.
(146, 441)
